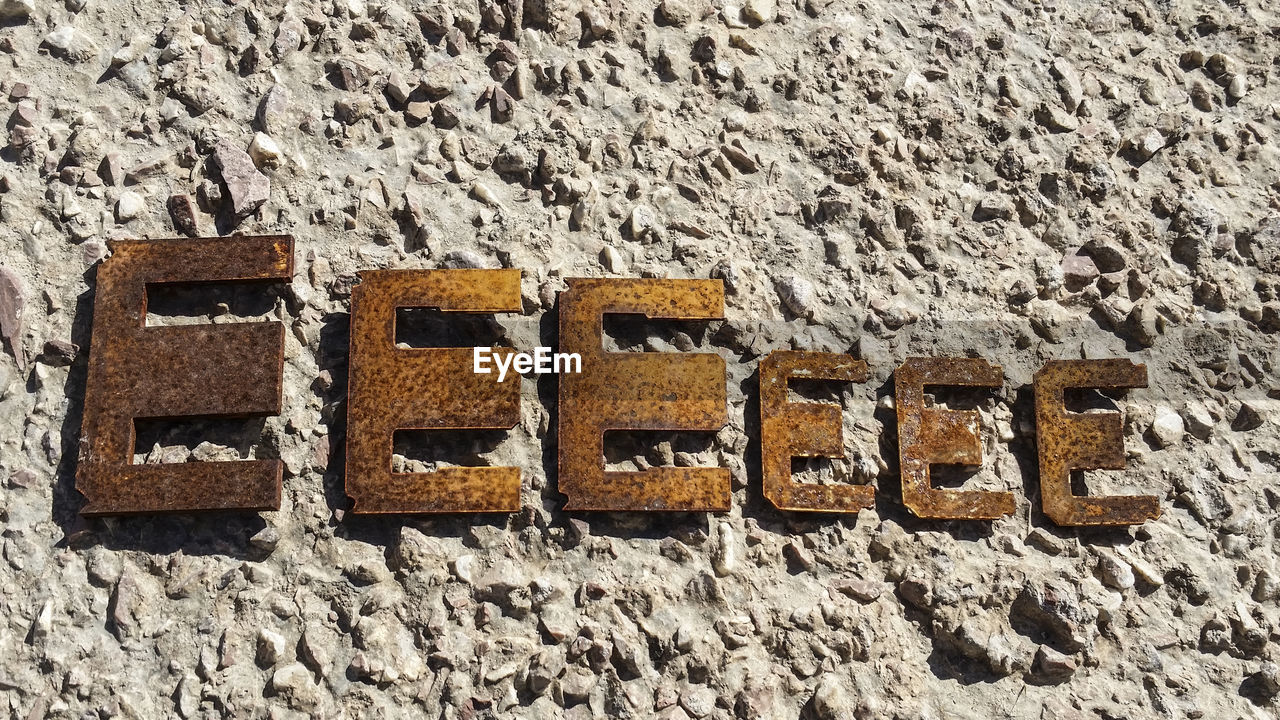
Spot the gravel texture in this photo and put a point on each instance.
(1019, 181)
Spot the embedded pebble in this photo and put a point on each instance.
(264, 151)
(247, 188)
(1167, 427)
(799, 295)
(129, 206)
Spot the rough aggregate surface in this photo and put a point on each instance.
(1019, 181)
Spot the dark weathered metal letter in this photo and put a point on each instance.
(394, 389)
(931, 436)
(789, 430)
(638, 391)
(1085, 441)
(179, 372)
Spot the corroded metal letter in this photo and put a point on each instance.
(806, 430)
(930, 436)
(178, 372)
(394, 389)
(638, 391)
(1085, 441)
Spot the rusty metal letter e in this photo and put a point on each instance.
(180, 372)
(929, 436)
(391, 388)
(1085, 441)
(638, 391)
(790, 429)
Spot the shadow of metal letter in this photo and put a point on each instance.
(178, 372)
(790, 430)
(638, 391)
(392, 389)
(1069, 441)
(934, 436)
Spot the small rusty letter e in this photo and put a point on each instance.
(928, 436)
(1085, 441)
(790, 429)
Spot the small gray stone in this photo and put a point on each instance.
(1167, 427)
(397, 88)
(103, 567)
(415, 551)
(1250, 416)
(830, 700)
(111, 170)
(264, 151)
(247, 188)
(675, 12)
(295, 682)
(1115, 572)
(129, 206)
(16, 9)
(1053, 665)
(612, 260)
(1056, 119)
(740, 158)
(503, 106)
(577, 683)
(12, 303)
(1266, 586)
(265, 540)
(861, 590)
(1078, 271)
(698, 701)
(93, 251)
(759, 12)
(459, 259)
(70, 44)
(1144, 144)
(798, 295)
(43, 623)
(727, 271)
(1237, 87)
(1197, 420)
(315, 648)
(151, 167)
(59, 353)
(1268, 679)
(1143, 323)
(186, 696)
(444, 116)
(1221, 65)
(417, 112)
(182, 210)
(272, 108)
(640, 222)
(271, 647)
(1069, 87)
(994, 207)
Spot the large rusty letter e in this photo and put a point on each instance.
(170, 373)
(638, 391)
(393, 388)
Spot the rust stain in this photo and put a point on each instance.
(790, 429)
(394, 389)
(183, 372)
(638, 391)
(1069, 441)
(930, 436)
